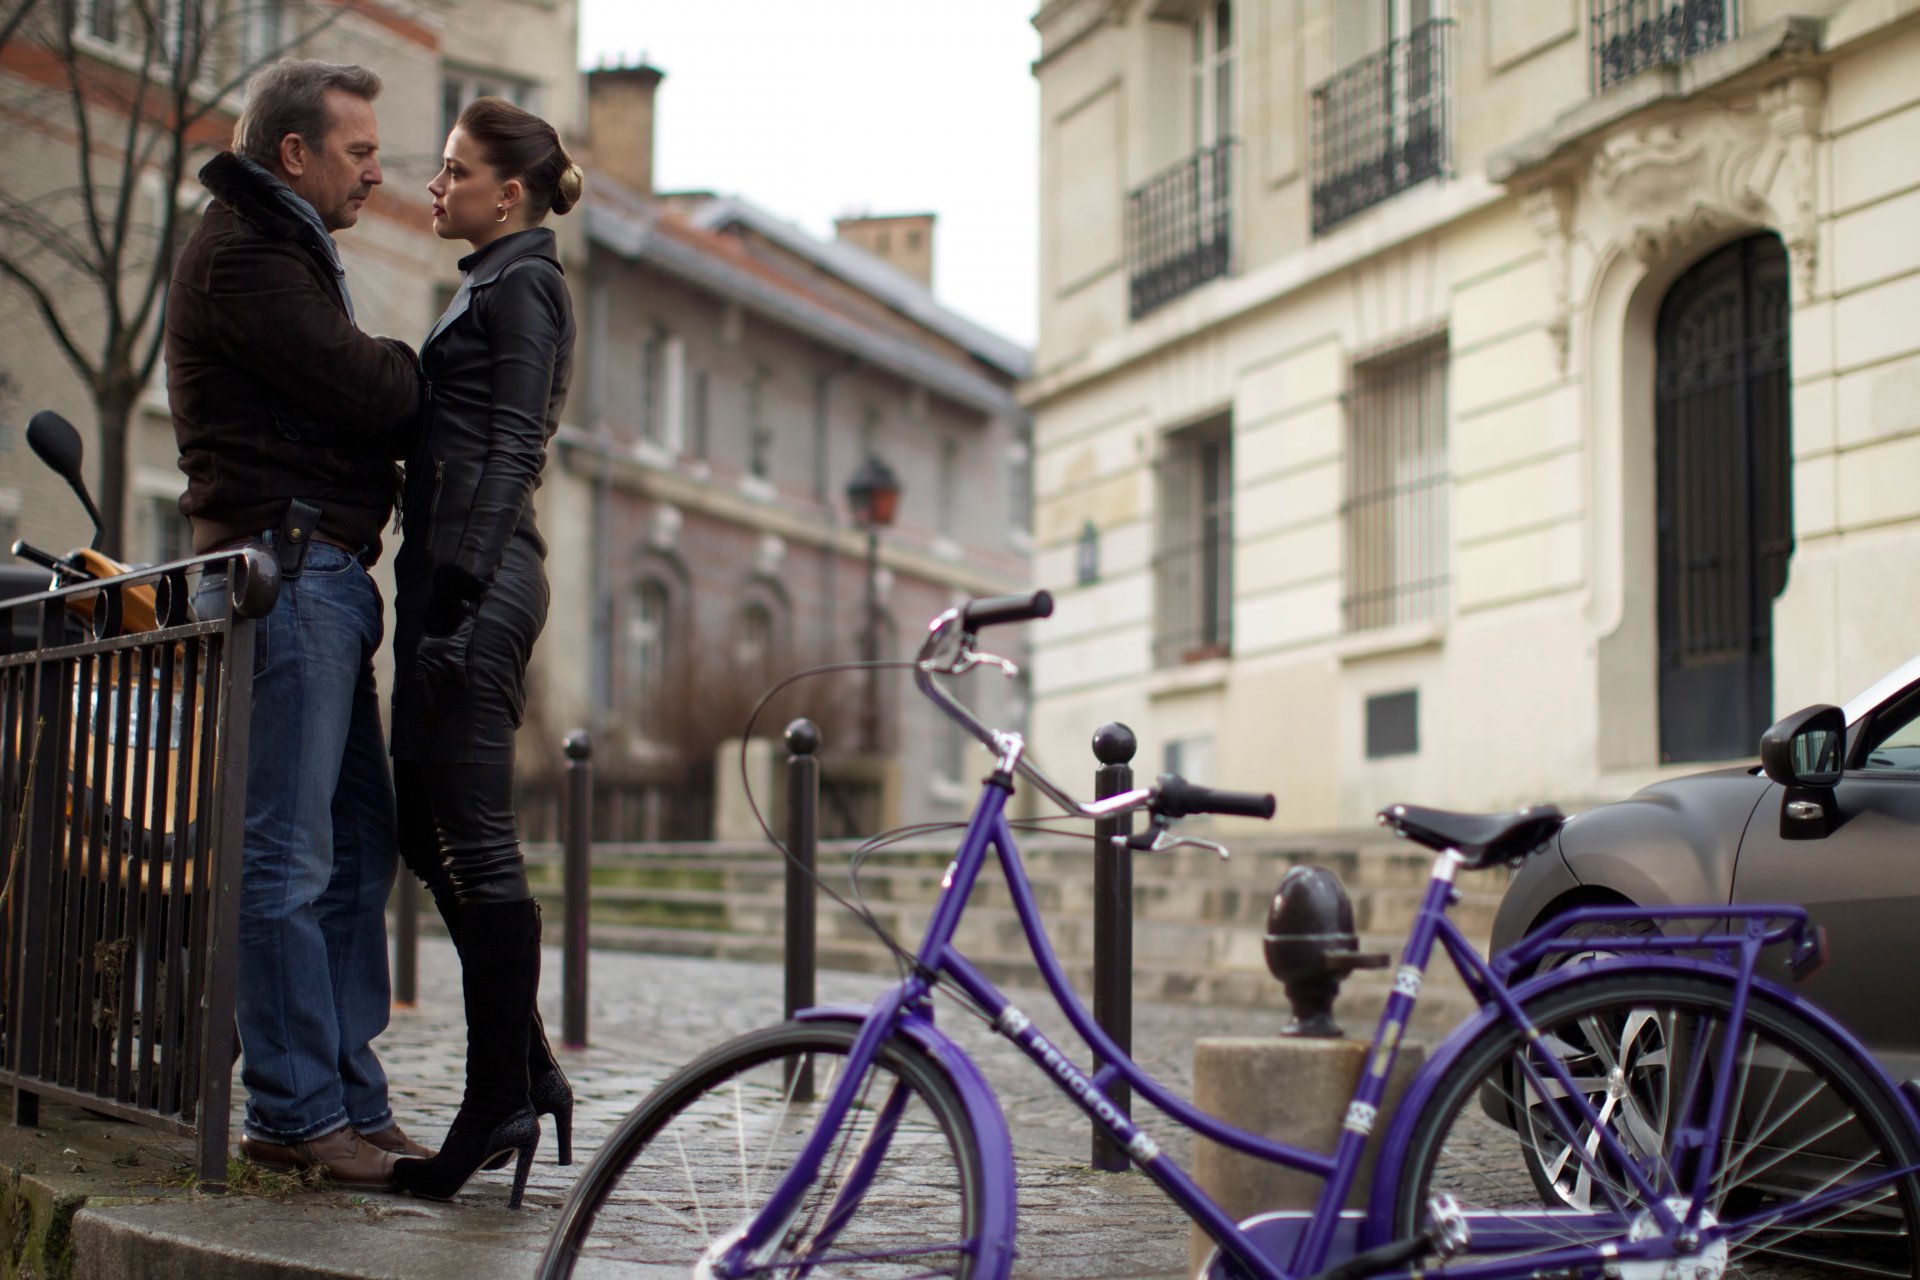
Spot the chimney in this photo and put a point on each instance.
(903, 241)
(620, 123)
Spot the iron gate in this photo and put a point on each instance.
(123, 766)
(1724, 471)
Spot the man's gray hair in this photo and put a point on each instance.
(290, 96)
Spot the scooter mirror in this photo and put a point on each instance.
(53, 438)
(58, 444)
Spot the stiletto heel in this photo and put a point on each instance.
(520, 1171)
(553, 1096)
(469, 1147)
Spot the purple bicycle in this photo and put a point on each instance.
(1641, 1106)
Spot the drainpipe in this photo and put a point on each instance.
(823, 493)
(600, 679)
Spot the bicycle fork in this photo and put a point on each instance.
(753, 1243)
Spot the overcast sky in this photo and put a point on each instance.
(818, 108)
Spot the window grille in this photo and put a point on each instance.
(946, 495)
(755, 644)
(700, 411)
(1626, 37)
(653, 427)
(263, 30)
(459, 87)
(646, 643)
(1193, 566)
(172, 533)
(1180, 228)
(1382, 125)
(759, 436)
(1398, 487)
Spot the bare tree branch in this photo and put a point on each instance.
(98, 233)
(55, 325)
(13, 15)
(83, 126)
(27, 221)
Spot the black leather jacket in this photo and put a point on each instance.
(497, 365)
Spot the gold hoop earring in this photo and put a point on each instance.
(503, 213)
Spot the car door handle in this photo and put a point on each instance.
(1805, 810)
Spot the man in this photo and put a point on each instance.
(288, 419)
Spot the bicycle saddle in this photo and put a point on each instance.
(1483, 839)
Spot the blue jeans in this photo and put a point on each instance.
(320, 853)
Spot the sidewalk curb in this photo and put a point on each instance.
(38, 1214)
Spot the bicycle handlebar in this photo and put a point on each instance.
(1173, 797)
(994, 610)
(1176, 798)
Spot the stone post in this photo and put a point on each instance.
(1293, 1090)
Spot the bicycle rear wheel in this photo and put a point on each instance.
(1804, 1120)
(709, 1146)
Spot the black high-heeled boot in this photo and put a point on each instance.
(548, 1087)
(496, 1116)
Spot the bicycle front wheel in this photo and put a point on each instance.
(1644, 1050)
(897, 1196)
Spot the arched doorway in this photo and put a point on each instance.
(1723, 471)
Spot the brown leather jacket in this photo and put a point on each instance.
(275, 393)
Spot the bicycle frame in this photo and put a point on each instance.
(905, 1009)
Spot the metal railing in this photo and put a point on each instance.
(1382, 125)
(123, 768)
(1180, 228)
(1629, 36)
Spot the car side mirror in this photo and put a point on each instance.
(1806, 749)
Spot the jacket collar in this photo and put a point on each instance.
(484, 265)
(247, 194)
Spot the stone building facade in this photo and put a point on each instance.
(1471, 403)
(732, 374)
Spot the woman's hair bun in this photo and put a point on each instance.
(567, 193)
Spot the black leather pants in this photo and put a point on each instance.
(457, 831)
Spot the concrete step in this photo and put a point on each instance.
(1198, 920)
(1444, 1003)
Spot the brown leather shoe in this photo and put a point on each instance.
(347, 1159)
(393, 1138)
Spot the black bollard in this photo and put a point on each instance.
(1113, 746)
(579, 858)
(406, 940)
(803, 797)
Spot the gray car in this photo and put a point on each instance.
(1829, 820)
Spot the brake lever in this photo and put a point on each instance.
(1161, 840)
(966, 660)
(969, 659)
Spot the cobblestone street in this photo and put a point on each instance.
(650, 1014)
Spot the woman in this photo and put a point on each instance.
(472, 597)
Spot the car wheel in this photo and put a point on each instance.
(1635, 1047)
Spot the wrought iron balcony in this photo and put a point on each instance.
(1180, 228)
(1628, 36)
(1382, 125)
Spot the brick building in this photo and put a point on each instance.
(733, 373)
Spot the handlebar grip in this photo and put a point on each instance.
(1175, 797)
(994, 610)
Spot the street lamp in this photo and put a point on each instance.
(873, 494)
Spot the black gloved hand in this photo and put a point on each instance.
(441, 661)
(453, 604)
